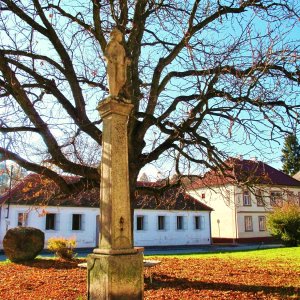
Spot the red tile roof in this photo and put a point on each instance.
(38, 190)
(169, 199)
(250, 172)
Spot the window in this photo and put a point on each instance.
(140, 223)
(262, 223)
(276, 198)
(292, 198)
(161, 223)
(248, 223)
(259, 198)
(76, 222)
(50, 221)
(246, 198)
(179, 223)
(203, 196)
(199, 222)
(22, 219)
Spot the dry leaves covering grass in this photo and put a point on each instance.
(223, 279)
(174, 278)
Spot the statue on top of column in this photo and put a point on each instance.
(117, 62)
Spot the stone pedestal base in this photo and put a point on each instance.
(117, 276)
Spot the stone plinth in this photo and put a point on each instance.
(115, 277)
(115, 269)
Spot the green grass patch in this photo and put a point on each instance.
(5, 262)
(286, 252)
(289, 257)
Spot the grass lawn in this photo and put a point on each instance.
(260, 274)
(289, 257)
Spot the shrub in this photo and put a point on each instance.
(284, 223)
(62, 247)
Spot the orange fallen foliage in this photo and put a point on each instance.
(172, 279)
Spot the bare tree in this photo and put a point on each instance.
(205, 77)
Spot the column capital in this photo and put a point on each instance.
(114, 105)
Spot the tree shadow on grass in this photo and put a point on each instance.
(165, 281)
(55, 263)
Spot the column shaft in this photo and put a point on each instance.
(115, 217)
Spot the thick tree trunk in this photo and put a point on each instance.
(135, 147)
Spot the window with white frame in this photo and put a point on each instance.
(248, 223)
(22, 219)
(50, 221)
(77, 221)
(140, 223)
(198, 222)
(161, 222)
(292, 198)
(179, 223)
(275, 198)
(262, 223)
(259, 198)
(246, 198)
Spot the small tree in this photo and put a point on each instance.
(291, 155)
(284, 223)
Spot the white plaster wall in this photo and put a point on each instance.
(221, 200)
(151, 236)
(87, 236)
(231, 213)
(265, 191)
(255, 211)
(255, 233)
(84, 238)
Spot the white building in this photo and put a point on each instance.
(242, 199)
(173, 218)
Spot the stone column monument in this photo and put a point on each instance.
(115, 269)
